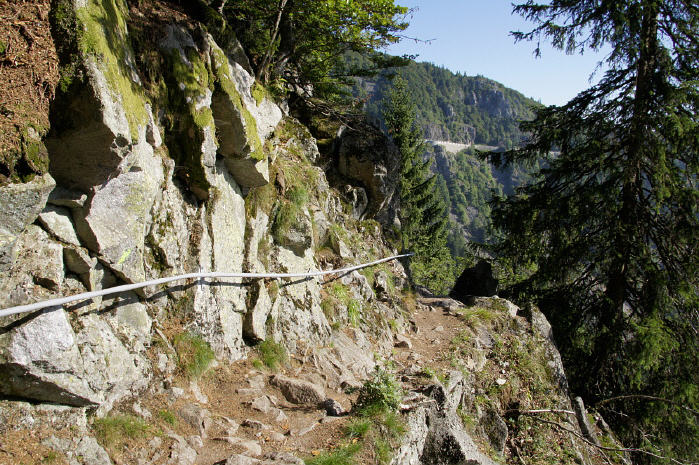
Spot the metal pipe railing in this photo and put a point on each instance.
(210, 274)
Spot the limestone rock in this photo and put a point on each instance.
(298, 236)
(359, 286)
(367, 157)
(281, 458)
(381, 285)
(21, 204)
(403, 341)
(110, 368)
(62, 197)
(102, 121)
(181, 452)
(198, 417)
(339, 245)
(254, 325)
(238, 459)
(242, 123)
(219, 309)
(112, 221)
(52, 371)
(299, 391)
(496, 429)
(78, 261)
(129, 318)
(475, 281)
(84, 451)
(56, 220)
(583, 422)
(435, 433)
(356, 196)
(41, 258)
(333, 408)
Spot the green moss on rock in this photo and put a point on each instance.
(224, 79)
(105, 38)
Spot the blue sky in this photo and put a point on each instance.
(472, 37)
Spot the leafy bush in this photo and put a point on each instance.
(380, 393)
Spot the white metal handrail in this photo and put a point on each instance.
(210, 274)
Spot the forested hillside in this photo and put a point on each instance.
(469, 110)
(451, 106)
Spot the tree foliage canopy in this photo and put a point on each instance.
(611, 225)
(302, 41)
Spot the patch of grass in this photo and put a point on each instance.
(116, 430)
(341, 456)
(357, 428)
(383, 451)
(272, 354)
(340, 292)
(354, 309)
(194, 355)
(472, 316)
(379, 393)
(260, 198)
(168, 417)
(328, 307)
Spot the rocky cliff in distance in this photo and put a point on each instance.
(165, 157)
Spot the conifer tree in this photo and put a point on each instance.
(422, 212)
(610, 227)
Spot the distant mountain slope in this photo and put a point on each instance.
(459, 114)
(453, 107)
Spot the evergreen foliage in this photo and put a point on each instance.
(422, 213)
(609, 230)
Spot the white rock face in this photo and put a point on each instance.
(21, 204)
(57, 221)
(219, 308)
(115, 220)
(52, 371)
(296, 313)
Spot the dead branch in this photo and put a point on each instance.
(645, 397)
(612, 449)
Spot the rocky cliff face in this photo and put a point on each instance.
(166, 158)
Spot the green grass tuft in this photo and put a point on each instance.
(168, 417)
(341, 456)
(272, 354)
(193, 353)
(357, 428)
(117, 429)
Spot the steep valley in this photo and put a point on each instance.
(159, 155)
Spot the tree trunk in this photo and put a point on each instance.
(628, 231)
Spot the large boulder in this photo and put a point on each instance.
(366, 156)
(52, 371)
(21, 204)
(475, 281)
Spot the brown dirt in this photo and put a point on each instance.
(28, 74)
